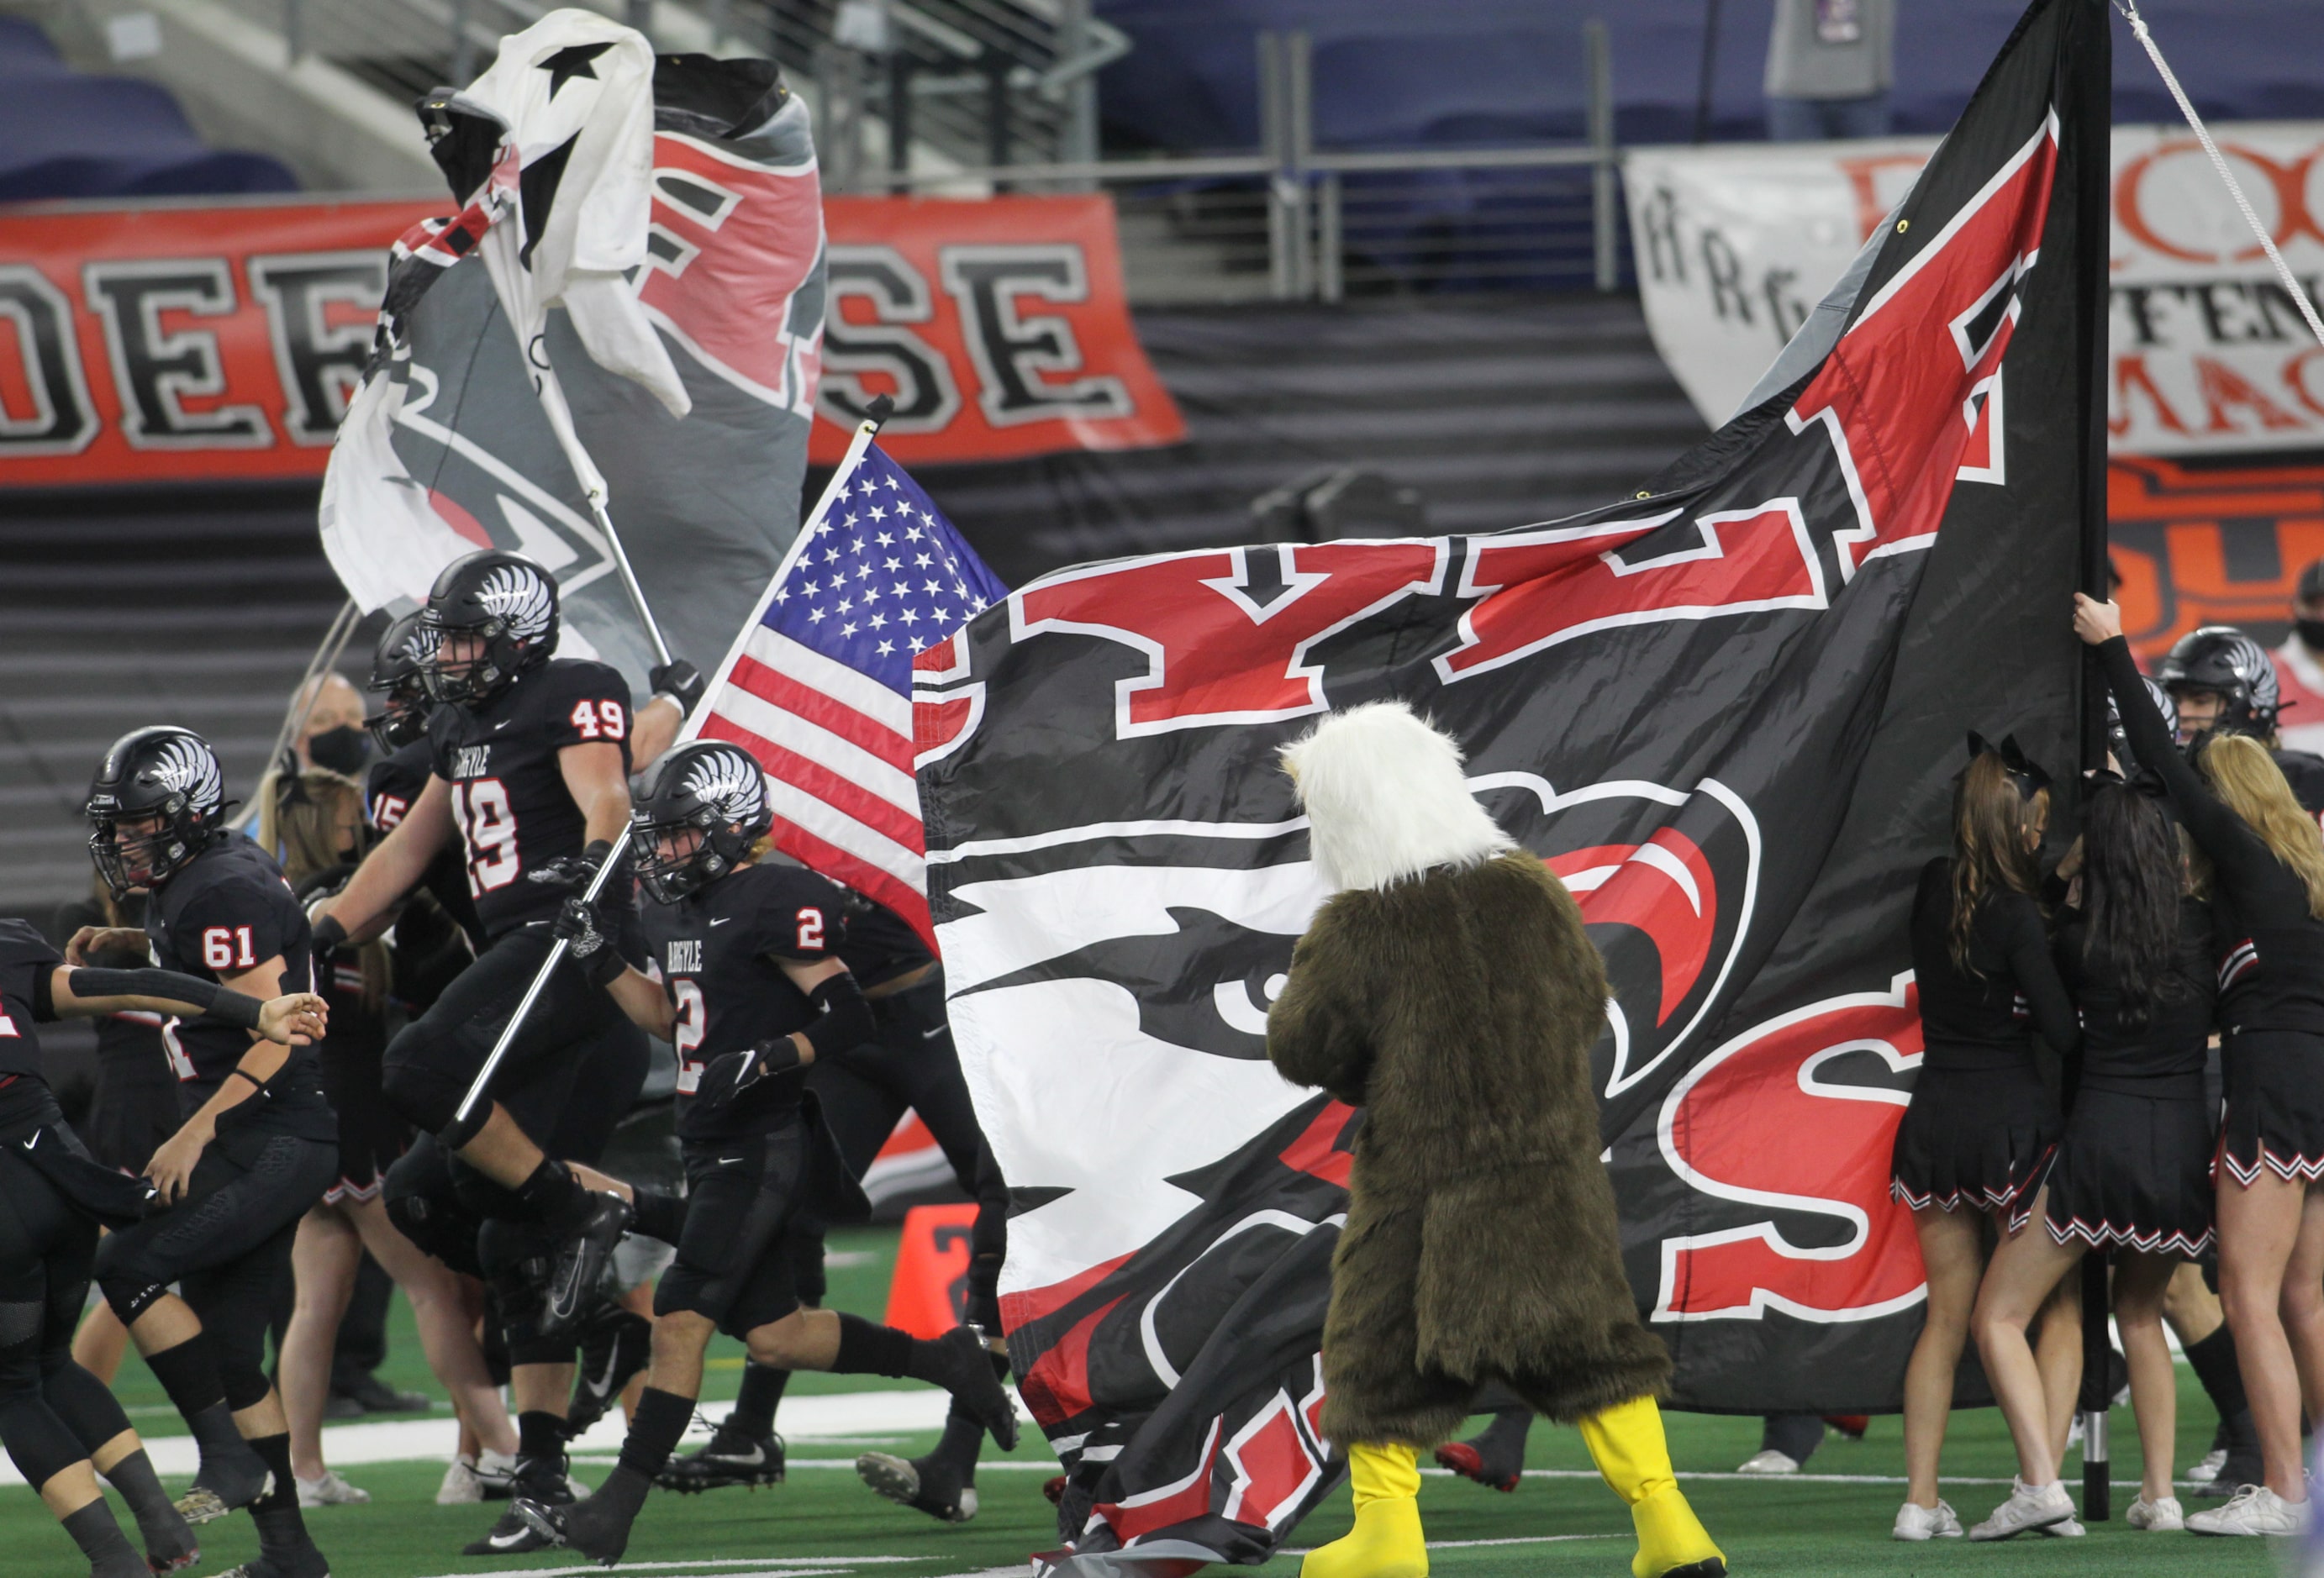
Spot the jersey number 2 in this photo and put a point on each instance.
(227, 948)
(693, 1021)
(488, 825)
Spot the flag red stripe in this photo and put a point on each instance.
(778, 689)
(872, 882)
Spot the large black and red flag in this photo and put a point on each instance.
(1727, 710)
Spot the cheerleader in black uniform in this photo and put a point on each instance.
(2268, 900)
(1981, 1126)
(2133, 1171)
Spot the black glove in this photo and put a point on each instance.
(725, 1077)
(328, 937)
(680, 680)
(577, 926)
(574, 873)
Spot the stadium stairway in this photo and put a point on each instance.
(129, 608)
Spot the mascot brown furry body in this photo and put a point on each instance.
(1448, 988)
(1458, 1009)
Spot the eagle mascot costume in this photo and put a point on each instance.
(1447, 987)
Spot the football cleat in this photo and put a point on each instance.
(925, 1485)
(615, 1344)
(581, 1260)
(729, 1458)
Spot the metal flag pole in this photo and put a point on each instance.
(533, 993)
(874, 414)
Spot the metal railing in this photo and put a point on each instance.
(1299, 222)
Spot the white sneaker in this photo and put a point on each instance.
(2162, 1516)
(2029, 1507)
(2069, 1529)
(2254, 1509)
(2204, 1472)
(1914, 1521)
(330, 1490)
(1769, 1461)
(460, 1487)
(497, 1474)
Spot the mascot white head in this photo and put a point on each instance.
(1385, 798)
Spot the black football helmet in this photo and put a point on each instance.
(500, 599)
(2118, 738)
(399, 677)
(710, 788)
(2223, 659)
(163, 773)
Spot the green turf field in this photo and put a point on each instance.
(1561, 1522)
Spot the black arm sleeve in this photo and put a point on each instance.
(2036, 970)
(2225, 838)
(844, 1021)
(206, 998)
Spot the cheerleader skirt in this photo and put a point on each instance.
(1975, 1137)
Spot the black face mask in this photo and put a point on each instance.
(344, 749)
(2311, 633)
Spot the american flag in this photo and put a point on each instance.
(819, 687)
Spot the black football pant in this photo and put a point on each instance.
(474, 1225)
(52, 1412)
(912, 1064)
(225, 1244)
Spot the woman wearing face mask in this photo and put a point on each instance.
(1981, 1125)
(316, 819)
(332, 736)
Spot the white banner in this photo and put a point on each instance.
(1736, 244)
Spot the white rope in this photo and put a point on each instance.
(2129, 9)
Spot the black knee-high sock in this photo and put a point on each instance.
(280, 1526)
(866, 1349)
(91, 1412)
(189, 1373)
(166, 1534)
(540, 1436)
(2213, 1361)
(962, 1441)
(99, 1537)
(655, 1214)
(755, 1400)
(661, 1418)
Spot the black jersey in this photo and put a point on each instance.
(509, 798)
(717, 951)
(881, 945)
(1983, 1017)
(2271, 949)
(24, 955)
(2163, 1032)
(2304, 771)
(393, 786)
(225, 911)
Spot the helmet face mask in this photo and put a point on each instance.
(490, 617)
(153, 805)
(703, 817)
(398, 675)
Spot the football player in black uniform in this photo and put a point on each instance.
(60, 1423)
(2225, 683)
(753, 991)
(530, 758)
(908, 1063)
(259, 1144)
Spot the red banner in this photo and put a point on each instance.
(221, 342)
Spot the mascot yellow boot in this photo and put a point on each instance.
(1448, 988)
